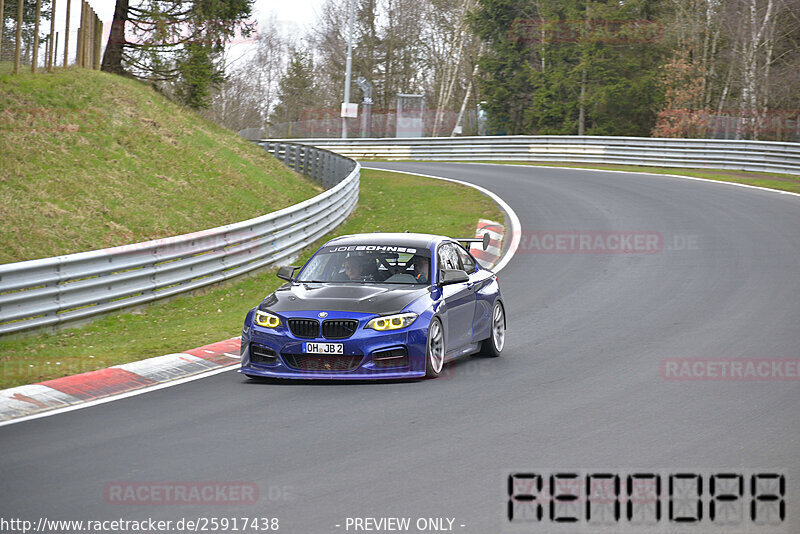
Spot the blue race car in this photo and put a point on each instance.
(370, 306)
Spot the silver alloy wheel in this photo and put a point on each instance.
(498, 327)
(436, 347)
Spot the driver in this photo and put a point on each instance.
(421, 269)
(353, 269)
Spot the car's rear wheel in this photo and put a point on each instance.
(493, 346)
(434, 360)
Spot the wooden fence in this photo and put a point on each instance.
(50, 41)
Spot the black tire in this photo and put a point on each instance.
(434, 349)
(492, 347)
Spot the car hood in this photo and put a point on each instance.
(381, 299)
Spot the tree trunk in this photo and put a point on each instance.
(584, 60)
(709, 52)
(112, 59)
(468, 93)
(35, 55)
(764, 92)
(749, 104)
(2, 25)
(66, 35)
(51, 56)
(18, 49)
(451, 69)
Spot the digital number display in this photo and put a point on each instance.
(682, 498)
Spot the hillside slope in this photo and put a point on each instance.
(91, 160)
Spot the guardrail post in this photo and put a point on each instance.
(298, 158)
(57, 295)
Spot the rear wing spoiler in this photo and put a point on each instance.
(469, 240)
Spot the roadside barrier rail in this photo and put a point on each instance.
(61, 289)
(760, 156)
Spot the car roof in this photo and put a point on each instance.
(404, 239)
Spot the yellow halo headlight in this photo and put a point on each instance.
(392, 322)
(267, 320)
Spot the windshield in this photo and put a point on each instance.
(368, 263)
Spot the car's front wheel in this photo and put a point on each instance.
(434, 360)
(493, 346)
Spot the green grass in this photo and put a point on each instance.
(782, 182)
(388, 202)
(91, 160)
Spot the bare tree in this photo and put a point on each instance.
(756, 55)
(249, 96)
(743, 53)
(328, 41)
(401, 46)
(448, 44)
(400, 66)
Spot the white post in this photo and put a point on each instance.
(349, 67)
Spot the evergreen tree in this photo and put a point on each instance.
(296, 90)
(568, 66)
(9, 26)
(177, 42)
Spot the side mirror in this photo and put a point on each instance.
(452, 276)
(287, 272)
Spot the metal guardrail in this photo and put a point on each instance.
(324, 166)
(762, 156)
(53, 291)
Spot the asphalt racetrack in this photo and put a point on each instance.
(595, 378)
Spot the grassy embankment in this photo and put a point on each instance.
(90, 160)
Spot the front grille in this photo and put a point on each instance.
(262, 354)
(390, 358)
(322, 362)
(339, 329)
(306, 328)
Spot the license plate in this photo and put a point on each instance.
(323, 348)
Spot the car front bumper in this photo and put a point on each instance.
(367, 354)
